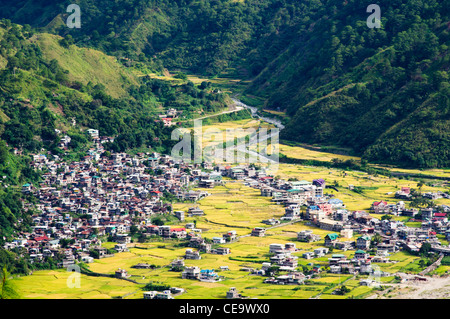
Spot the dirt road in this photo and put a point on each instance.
(433, 288)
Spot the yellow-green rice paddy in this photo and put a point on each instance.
(235, 206)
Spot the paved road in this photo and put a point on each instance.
(254, 111)
(257, 138)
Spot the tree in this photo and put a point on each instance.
(133, 229)
(67, 41)
(342, 290)
(158, 221)
(181, 75)
(65, 242)
(425, 249)
(7, 288)
(422, 263)
(204, 85)
(420, 184)
(3, 152)
(273, 270)
(421, 202)
(376, 239)
(156, 286)
(94, 253)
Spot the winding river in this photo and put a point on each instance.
(273, 135)
(255, 114)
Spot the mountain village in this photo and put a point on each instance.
(80, 202)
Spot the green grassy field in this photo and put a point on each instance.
(308, 154)
(80, 62)
(52, 284)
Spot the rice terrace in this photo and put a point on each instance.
(224, 152)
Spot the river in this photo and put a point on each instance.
(273, 136)
(255, 114)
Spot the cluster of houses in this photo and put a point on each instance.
(352, 230)
(170, 116)
(81, 201)
(405, 193)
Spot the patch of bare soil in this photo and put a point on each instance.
(432, 288)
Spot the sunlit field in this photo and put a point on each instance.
(373, 188)
(52, 284)
(234, 206)
(298, 152)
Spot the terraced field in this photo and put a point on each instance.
(372, 188)
(52, 284)
(235, 206)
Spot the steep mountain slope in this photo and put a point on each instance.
(345, 84)
(341, 82)
(46, 82)
(87, 65)
(205, 36)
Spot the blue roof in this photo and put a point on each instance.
(207, 271)
(332, 236)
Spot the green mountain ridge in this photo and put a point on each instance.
(394, 76)
(341, 82)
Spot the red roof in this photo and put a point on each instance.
(378, 203)
(42, 238)
(177, 229)
(440, 215)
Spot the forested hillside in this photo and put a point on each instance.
(383, 92)
(50, 88)
(44, 84)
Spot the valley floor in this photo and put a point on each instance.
(232, 206)
(235, 206)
